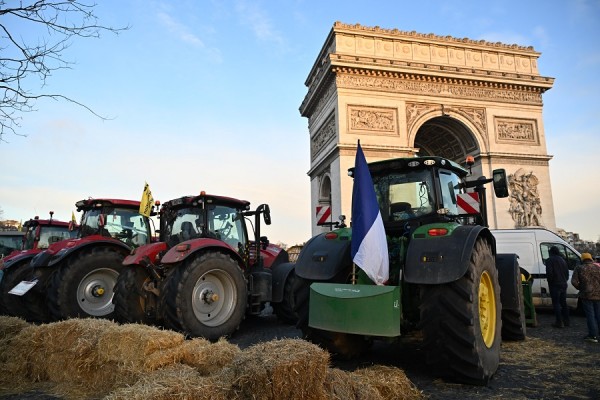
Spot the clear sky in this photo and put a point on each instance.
(204, 95)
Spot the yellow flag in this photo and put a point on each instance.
(147, 201)
(73, 222)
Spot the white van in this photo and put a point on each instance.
(532, 246)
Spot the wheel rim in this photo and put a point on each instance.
(95, 292)
(214, 298)
(487, 309)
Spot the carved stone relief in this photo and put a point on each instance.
(525, 206)
(438, 89)
(323, 136)
(517, 130)
(372, 119)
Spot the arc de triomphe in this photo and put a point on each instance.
(405, 94)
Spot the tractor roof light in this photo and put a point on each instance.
(429, 162)
(437, 232)
(413, 164)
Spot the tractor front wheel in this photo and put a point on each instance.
(84, 285)
(285, 309)
(133, 303)
(206, 296)
(32, 306)
(461, 321)
(10, 279)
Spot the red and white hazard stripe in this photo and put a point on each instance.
(467, 203)
(323, 214)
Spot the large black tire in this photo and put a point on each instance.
(461, 321)
(205, 296)
(514, 322)
(132, 303)
(9, 281)
(83, 285)
(32, 306)
(285, 309)
(340, 345)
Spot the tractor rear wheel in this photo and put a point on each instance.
(461, 321)
(134, 304)
(341, 345)
(83, 285)
(285, 309)
(206, 296)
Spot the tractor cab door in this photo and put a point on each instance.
(225, 225)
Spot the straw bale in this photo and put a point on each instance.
(19, 357)
(390, 382)
(341, 385)
(177, 381)
(208, 357)
(280, 369)
(11, 326)
(135, 342)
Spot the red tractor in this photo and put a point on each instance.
(205, 274)
(76, 277)
(38, 235)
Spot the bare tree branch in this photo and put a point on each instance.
(26, 64)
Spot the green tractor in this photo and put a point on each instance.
(445, 278)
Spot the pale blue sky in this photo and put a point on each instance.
(204, 95)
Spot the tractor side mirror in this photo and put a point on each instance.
(500, 185)
(267, 214)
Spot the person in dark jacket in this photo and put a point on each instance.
(557, 273)
(586, 278)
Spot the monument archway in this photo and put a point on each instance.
(404, 94)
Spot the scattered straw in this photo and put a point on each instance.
(390, 382)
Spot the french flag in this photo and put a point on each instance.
(369, 245)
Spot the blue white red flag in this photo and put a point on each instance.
(369, 244)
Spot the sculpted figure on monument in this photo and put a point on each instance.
(525, 205)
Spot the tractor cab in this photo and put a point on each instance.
(204, 216)
(41, 233)
(115, 219)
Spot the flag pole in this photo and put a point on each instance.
(353, 278)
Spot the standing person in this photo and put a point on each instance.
(586, 278)
(557, 273)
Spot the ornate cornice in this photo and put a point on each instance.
(376, 30)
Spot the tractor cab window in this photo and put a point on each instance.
(225, 223)
(126, 225)
(449, 184)
(404, 196)
(29, 238)
(52, 234)
(185, 224)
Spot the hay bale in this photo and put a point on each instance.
(279, 369)
(19, 358)
(208, 357)
(177, 381)
(133, 344)
(341, 385)
(11, 326)
(390, 382)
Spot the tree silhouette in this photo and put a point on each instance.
(27, 61)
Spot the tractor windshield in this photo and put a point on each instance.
(47, 236)
(404, 196)
(184, 224)
(124, 224)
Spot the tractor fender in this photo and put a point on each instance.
(49, 259)
(273, 255)
(17, 259)
(438, 260)
(189, 248)
(150, 252)
(280, 275)
(509, 273)
(322, 259)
